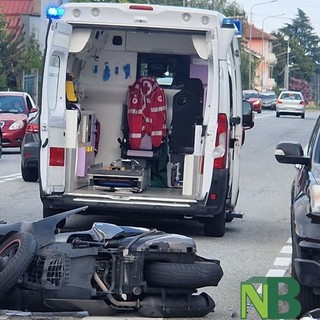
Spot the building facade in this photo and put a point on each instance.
(259, 45)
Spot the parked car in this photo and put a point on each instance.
(253, 97)
(30, 148)
(305, 215)
(15, 108)
(268, 100)
(291, 103)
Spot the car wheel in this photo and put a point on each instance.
(183, 275)
(16, 253)
(277, 114)
(302, 116)
(29, 174)
(259, 111)
(215, 226)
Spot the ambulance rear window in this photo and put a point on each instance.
(170, 70)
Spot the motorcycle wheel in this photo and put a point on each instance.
(183, 275)
(16, 253)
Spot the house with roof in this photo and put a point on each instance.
(259, 44)
(12, 11)
(28, 16)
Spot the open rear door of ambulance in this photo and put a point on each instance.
(236, 131)
(215, 142)
(53, 109)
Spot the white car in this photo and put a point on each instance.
(291, 103)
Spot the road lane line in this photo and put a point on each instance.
(10, 177)
(281, 263)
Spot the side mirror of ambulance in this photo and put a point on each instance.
(247, 115)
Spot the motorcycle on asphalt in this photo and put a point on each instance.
(104, 270)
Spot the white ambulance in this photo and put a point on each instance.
(142, 113)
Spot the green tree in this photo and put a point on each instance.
(16, 57)
(32, 57)
(11, 49)
(304, 49)
(302, 30)
(3, 79)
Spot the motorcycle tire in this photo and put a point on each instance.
(183, 275)
(16, 254)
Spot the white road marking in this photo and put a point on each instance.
(10, 177)
(282, 261)
(260, 116)
(281, 264)
(286, 249)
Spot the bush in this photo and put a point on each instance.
(301, 85)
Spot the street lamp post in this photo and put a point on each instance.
(287, 70)
(250, 38)
(262, 48)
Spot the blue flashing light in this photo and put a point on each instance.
(235, 23)
(54, 12)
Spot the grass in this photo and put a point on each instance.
(312, 107)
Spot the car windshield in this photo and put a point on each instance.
(249, 95)
(291, 96)
(267, 95)
(11, 104)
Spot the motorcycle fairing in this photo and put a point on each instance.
(109, 269)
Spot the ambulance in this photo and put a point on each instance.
(142, 113)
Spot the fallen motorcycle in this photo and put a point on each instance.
(104, 270)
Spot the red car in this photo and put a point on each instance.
(253, 97)
(15, 108)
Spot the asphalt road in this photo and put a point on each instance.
(254, 246)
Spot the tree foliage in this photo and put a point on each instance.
(16, 56)
(32, 57)
(303, 86)
(11, 49)
(304, 49)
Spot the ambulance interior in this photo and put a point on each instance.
(119, 132)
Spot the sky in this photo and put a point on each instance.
(263, 13)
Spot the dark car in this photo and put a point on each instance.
(305, 215)
(15, 108)
(30, 148)
(268, 100)
(253, 97)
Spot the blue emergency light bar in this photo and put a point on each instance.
(54, 12)
(233, 22)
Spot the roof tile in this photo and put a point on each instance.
(13, 9)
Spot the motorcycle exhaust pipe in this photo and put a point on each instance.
(132, 304)
(174, 306)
